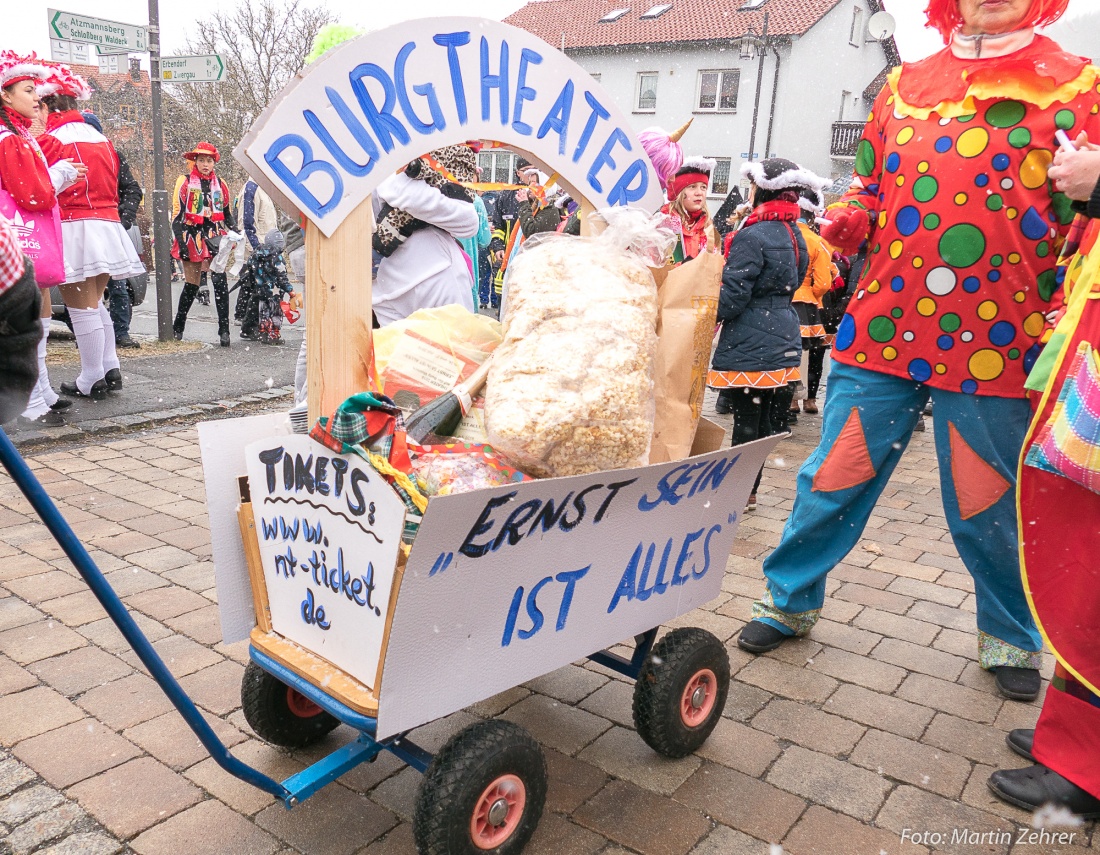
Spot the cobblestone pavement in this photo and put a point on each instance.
(880, 722)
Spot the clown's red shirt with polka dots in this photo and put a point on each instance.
(963, 249)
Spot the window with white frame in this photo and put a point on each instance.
(497, 166)
(720, 178)
(855, 37)
(645, 100)
(718, 89)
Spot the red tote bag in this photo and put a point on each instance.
(39, 235)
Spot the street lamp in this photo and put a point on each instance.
(749, 44)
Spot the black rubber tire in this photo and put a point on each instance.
(671, 665)
(461, 772)
(266, 705)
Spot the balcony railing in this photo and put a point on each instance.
(845, 138)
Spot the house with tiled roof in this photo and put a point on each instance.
(801, 89)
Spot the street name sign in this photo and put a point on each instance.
(205, 68)
(75, 27)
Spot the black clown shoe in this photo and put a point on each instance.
(113, 379)
(760, 637)
(98, 392)
(1035, 786)
(1022, 741)
(1018, 684)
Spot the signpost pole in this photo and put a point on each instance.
(759, 81)
(161, 225)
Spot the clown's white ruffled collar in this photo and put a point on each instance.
(990, 45)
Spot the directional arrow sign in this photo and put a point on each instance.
(74, 27)
(206, 68)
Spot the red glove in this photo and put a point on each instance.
(839, 284)
(848, 227)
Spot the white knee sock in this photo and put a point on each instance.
(88, 326)
(110, 355)
(44, 387)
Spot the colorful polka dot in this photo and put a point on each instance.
(845, 333)
(904, 135)
(972, 142)
(1001, 334)
(897, 284)
(994, 201)
(893, 161)
(961, 198)
(918, 262)
(900, 181)
(925, 188)
(1033, 226)
(932, 222)
(941, 368)
(1007, 183)
(908, 335)
(889, 353)
(865, 159)
(950, 322)
(962, 245)
(945, 342)
(1064, 120)
(967, 336)
(907, 220)
(1020, 296)
(1042, 249)
(968, 386)
(1001, 162)
(987, 310)
(861, 358)
(1033, 171)
(1005, 114)
(873, 287)
(1011, 213)
(1034, 323)
(896, 312)
(1019, 137)
(922, 167)
(1014, 353)
(920, 370)
(981, 180)
(926, 306)
(881, 329)
(1014, 258)
(943, 145)
(895, 249)
(986, 364)
(971, 284)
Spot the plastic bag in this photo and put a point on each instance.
(430, 351)
(461, 467)
(570, 390)
(225, 248)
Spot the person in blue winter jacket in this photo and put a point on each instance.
(760, 344)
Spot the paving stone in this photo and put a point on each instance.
(76, 672)
(571, 781)
(623, 754)
(968, 739)
(557, 725)
(85, 843)
(740, 747)
(124, 544)
(14, 613)
(104, 633)
(399, 792)
(851, 668)
(242, 797)
(556, 835)
(201, 625)
(808, 727)
(167, 602)
(850, 638)
(75, 752)
(821, 831)
(726, 841)
(170, 739)
(334, 821)
(923, 813)
(13, 678)
(217, 688)
(950, 698)
(883, 600)
(34, 711)
(943, 615)
(830, 782)
(933, 592)
(613, 700)
(130, 798)
(13, 775)
(902, 759)
(743, 803)
(39, 640)
(75, 609)
(125, 702)
(45, 586)
(800, 684)
(569, 684)
(921, 658)
(43, 828)
(881, 711)
(648, 823)
(17, 808)
(209, 828)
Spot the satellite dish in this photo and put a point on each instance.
(881, 26)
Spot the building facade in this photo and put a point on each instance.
(800, 90)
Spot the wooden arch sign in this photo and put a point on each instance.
(373, 104)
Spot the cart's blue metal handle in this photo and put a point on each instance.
(59, 528)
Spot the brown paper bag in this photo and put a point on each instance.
(688, 303)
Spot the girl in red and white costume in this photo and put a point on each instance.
(33, 185)
(96, 246)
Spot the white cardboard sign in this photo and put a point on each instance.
(507, 584)
(371, 105)
(329, 528)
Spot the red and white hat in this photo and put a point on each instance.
(693, 170)
(15, 68)
(62, 80)
(209, 149)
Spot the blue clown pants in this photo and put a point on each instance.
(867, 423)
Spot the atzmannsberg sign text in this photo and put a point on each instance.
(370, 106)
(74, 27)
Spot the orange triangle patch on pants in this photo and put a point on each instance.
(978, 486)
(848, 462)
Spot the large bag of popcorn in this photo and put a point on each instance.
(570, 388)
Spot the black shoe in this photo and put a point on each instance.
(113, 379)
(1035, 786)
(1019, 684)
(792, 417)
(1022, 740)
(760, 637)
(98, 393)
(223, 337)
(126, 341)
(49, 419)
(61, 404)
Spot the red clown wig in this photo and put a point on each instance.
(943, 15)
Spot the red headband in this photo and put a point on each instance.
(677, 183)
(943, 15)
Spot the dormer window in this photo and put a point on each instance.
(657, 11)
(613, 15)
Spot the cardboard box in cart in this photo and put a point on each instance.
(501, 586)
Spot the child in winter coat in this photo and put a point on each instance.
(264, 285)
(759, 346)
